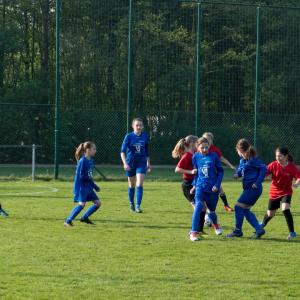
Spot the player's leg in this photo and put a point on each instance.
(211, 201)
(3, 212)
(74, 213)
(140, 177)
(286, 204)
(92, 209)
(194, 233)
(131, 188)
(225, 201)
(271, 212)
(186, 189)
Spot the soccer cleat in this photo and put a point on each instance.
(259, 233)
(218, 229)
(194, 237)
(86, 221)
(228, 208)
(291, 236)
(132, 209)
(235, 233)
(138, 210)
(3, 213)
(68, 224)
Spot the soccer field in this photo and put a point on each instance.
(138, 256)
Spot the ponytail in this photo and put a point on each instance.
(80, 150)
(179, 148)
(285, 151)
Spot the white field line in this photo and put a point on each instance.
(48, 189)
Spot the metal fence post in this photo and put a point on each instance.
(129, 78)
(33, 161)
(257, 74)
(198, 50)
(57, 89)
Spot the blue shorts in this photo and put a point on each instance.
(210, 199)
(137, 168)
(86, 197)
(250, 196)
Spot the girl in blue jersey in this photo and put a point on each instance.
(253, 172)
(136, 161)
(207, 182)
(84, 185)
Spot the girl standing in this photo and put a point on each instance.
(253, 172)
(210, 137)
(209, 174)
(84, 185)
(136, 162)
(283, 171)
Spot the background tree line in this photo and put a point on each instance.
(94, 38)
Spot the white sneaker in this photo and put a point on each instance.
(218, 229)
(194, 237)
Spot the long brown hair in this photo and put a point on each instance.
(244, 146)
(80, 150)
(182, 145)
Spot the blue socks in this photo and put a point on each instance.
(90, 211)
(251, 218)
(213, 217)
(139, 196)
(76, 210)
(131, 192)
(196, 216)
(239, 217)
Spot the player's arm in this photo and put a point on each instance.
(123, 153)
(184, 171)
(262, 174)
(149, 167)
(239, 171)
(227, 162)
(297, 177)
(220, 172)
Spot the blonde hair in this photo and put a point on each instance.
(80, 150)
(182, 145)
(209, 135)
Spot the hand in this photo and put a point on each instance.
(235, 176)
(254, 186)
(149, 168)
(214, 189)
(127, 167)
(194, 171)
(97, 188)
(192, 191)
(295, 185)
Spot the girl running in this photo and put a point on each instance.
(136, 161)
(210, 137)
(209, 174)
(283, 171)
(253, 172)
(84, 185)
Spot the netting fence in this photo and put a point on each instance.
(184, 67)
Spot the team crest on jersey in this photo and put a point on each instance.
(204, 171)
(138, 148)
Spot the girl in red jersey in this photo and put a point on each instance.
(185, 149)
(283, 171)
(210, 137)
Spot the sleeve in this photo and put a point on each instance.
(147, 146)
(262, 173)
(182, 163)
(194, 162)
(82, 171)
(220, 172)
(296, 172)
(240, 169)
(269, 169)
(125, 144)
(219, 152)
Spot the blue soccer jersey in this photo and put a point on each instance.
(252, 171)
(136, 148)
(209, 171)
(83, 182)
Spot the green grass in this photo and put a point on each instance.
(131, 256)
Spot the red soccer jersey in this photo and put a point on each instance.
(186, 163)
(282, 179)
(213, 148)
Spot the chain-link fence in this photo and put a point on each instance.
(184, 67)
